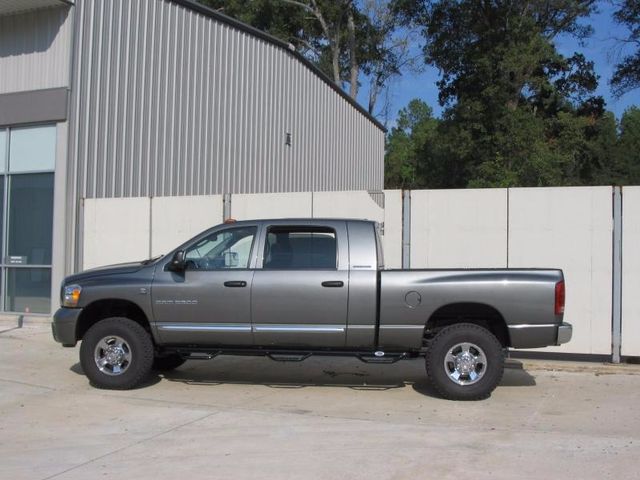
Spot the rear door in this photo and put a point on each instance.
(301, 285)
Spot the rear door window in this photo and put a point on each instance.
(300, 248)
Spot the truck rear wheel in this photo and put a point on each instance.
(465, 362)
(116, 353)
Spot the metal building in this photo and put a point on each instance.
(107, 98)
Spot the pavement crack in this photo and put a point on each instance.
(152, 437)
(34, 385)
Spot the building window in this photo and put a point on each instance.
(27, 162)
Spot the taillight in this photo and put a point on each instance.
(559, 307)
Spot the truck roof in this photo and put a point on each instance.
(302, 220)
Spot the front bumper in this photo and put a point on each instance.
(565, 331)
(64, 326)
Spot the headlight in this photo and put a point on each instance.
(71, 295)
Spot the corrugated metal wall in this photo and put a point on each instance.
(35, 50)
(167, 101)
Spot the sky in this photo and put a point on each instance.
(601, 48)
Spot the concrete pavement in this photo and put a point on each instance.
(325, 418)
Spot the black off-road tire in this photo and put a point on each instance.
(141, 348)
(446, 339)
(167, 363)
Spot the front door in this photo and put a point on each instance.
(299, 295)
(210, 301)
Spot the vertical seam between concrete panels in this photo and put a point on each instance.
(616, 307)
(508, 223)
(406, 229)
(226, 206)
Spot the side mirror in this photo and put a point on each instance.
(177, 263)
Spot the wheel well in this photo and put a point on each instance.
(476, 313)
(106, 308)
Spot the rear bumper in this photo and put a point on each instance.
(537, 336)
(64, 324)
(565, 332)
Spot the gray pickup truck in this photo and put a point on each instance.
(290, 288)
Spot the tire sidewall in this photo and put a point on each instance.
(141, 353)
(460, 333)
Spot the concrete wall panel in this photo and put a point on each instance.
(349, 204)
(271, 205)
(630, 271)
(115, 230)
(571, 229)
(175, 220)
(459, 228)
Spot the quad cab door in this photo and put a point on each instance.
(209, 302)
(301, 285)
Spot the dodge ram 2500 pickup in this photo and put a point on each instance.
(290, 288)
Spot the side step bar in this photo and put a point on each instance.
(288, 357)
(377, 358)
(291, 356)
(200, 355)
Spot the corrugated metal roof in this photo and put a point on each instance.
(10, 7)
(279, 43)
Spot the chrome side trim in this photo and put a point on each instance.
(299, 328)
(534, 325)
(402, 327)
(363, 327)
(205, 327)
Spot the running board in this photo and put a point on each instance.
(200, 355)
(195, 353)
(380, 357)
(288, 357)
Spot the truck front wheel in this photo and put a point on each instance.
(116, 353)
(465, 362)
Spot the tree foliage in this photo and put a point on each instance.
(628, 147)
(517, 112)
(626, 76)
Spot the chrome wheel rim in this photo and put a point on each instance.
(112, 355)
(465, 363)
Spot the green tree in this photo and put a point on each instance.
(628, 151)
(626, 76)
(517, 111)
(415, 130)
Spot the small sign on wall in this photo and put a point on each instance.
(15, 260)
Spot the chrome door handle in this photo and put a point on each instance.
(333, 283)
(235, 283)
